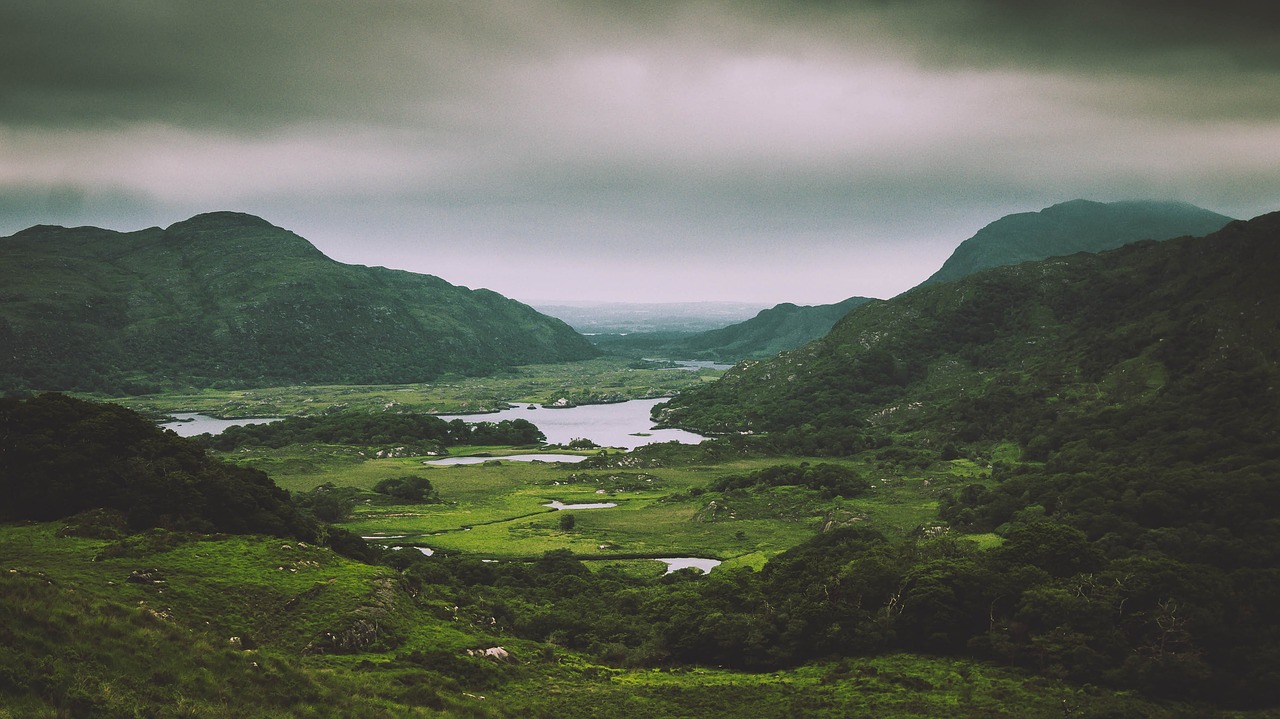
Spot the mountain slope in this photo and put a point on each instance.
(773, 330)
(226, 298)
(777, 329)
(1070, 227)
(1181, 335)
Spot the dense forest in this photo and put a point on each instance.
(60, 456)
(229, 300)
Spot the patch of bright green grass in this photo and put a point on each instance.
(986, 540)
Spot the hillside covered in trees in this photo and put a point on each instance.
(1127, 405)
(60, 456)
(229, 300)
(1036, 353)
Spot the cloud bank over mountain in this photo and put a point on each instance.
(800, 151)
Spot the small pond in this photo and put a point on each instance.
(544, 457)
(677, 563)
(557, 504)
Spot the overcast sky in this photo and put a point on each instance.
(650, 151)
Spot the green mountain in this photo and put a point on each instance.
(1070, 227)
(773, 330)
(777, 329)
(1183, 327)
(1063, 229)
(228, 299)
(1122, 413)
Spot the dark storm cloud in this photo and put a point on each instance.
(414, 132)
(253, 63)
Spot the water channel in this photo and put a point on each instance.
(623, 424)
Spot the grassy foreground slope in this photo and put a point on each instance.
(103, 616)
(240, 628)
(227, 299)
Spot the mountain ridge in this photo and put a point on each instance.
(230, 298)
(1074, 226)
(1126, 326)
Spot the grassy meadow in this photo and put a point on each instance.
(607, 379)
(496, 510)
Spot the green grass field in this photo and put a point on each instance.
(608, 379)
(496, 509)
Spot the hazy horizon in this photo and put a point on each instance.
(555, 151)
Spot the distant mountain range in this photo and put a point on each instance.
(1071, 227)
(770, 331)
(592, 318)
(1063, 229)
(228, 299)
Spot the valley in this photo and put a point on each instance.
(542, 359)
(1035, 491)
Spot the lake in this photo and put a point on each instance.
(193, 423)
(608, 425)
(699, 563)
(622, 424)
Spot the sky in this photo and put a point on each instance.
(658, 151)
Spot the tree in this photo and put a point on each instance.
(410, 489)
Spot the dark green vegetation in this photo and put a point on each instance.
(409, 434)
(783, 327)
(1140, 386)
(102, 620)
(1071, 227)
(99, 621)
(830, 479)
(60, 456)
(240, 628)
(226, 299)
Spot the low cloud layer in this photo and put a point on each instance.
(801, 151)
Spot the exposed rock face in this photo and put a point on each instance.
(365, 627)
(498, 654)
(145, 576)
